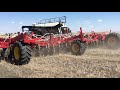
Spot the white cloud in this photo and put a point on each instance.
(100, 20)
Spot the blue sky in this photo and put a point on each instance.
(99, 21)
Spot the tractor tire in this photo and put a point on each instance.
(77, 47)
(112, 41)
(21, 54)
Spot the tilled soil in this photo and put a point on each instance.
(94, 63)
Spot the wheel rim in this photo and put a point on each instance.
(112, 41)
(17, 53)
(75, 48)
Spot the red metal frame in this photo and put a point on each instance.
(54, 41)
(4, 44)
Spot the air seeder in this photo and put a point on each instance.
(48, 37)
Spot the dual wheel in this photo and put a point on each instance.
(18, 54)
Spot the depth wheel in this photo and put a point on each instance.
(77, 47)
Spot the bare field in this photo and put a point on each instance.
(95, 63)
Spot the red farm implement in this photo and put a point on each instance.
(109, 40)
(49, 37)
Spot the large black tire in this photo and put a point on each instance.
(21, 54)
(77, 47)
(112, 41)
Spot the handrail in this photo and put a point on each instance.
(52, 20)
